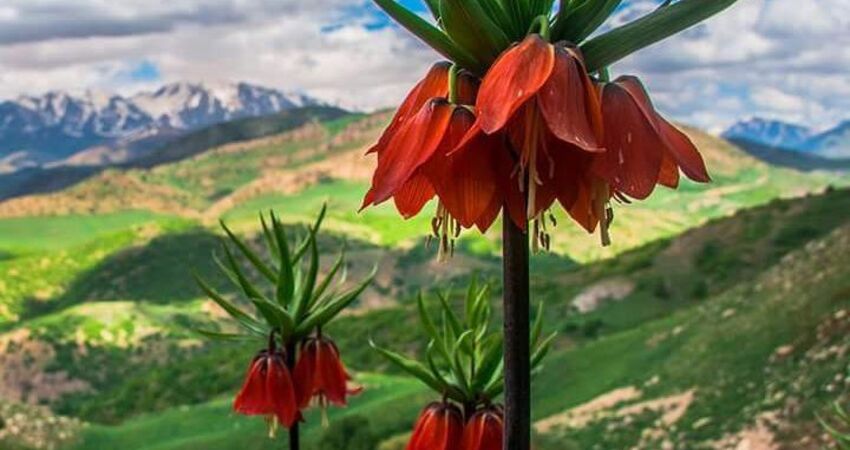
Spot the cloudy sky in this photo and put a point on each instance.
(782, 59)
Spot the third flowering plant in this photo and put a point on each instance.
(463, 365)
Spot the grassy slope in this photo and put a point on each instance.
(786, 304)
(86, 270)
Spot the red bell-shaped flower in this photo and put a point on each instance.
(541, 97)
(268, 389)
(643, 149)
(484, 430)
(319, 373)
(440, 427)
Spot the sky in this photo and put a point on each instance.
(778, 59)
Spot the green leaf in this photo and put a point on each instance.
(537, 328)
(434, 7)
(232, 310)
(223, 336)
(285, 280)
(312, 234)
(327, 312)
(491, 356)
(469, 26)
(255, 260)
(604, 50)
(323, 286)
(432, 36)
(303, 301)
(499, 15)
(450, 315)
(542, 350)
(425, 318)
(583, 20)
(269, 237)
(410, 366)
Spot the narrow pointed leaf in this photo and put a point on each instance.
(425, 318)
(431, 35)
(323, 286)
(242, 317)
(537, 328)
(334, 307)
(604, 50)
(469, 26)
(412, 367)
(285, 280)
(223, 336)
(451, 317)
(255, 260)
(542, 350)
(584, 19)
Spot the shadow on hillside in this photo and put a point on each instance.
(158, 272)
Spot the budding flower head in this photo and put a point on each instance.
(439, 427)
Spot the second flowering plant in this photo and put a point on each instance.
(297, 364)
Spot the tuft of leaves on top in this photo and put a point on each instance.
(463, 360)
(293, 298)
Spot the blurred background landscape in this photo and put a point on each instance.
(719, 319)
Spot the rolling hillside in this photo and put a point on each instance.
(719, 317)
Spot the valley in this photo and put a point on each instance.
(721, 314)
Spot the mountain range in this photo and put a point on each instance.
(59, 129)
(831, 144)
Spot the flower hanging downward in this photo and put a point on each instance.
(484, 430)
(320, 374)
(541, 97)
(644, 149)
(268, 389)
(439, 427)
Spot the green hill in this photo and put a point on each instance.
(720, 306)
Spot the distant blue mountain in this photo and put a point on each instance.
(771, 133)
(831, 144)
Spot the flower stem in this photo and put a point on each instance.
(294, 432)
(516, 328)
(453, 91)
(541, 25)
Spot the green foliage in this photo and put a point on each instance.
(839, 426)
(351, 433)
(297, 302)
(464, 358)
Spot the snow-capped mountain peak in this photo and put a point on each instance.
(772, 133)
(57, 124)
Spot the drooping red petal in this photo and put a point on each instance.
(415, 142)
(486, 219)
(589, 207)
(484, 431)
(434, 85)
(465, 179)
(281, 391)
(252, 398)
(669, 173)
(679, 145)
(332, 377)
(304, 374)
(632, 160)
(568, 167)
(413, 195)
(439, 427)
(684, 152)
(564, 104)
(514, 78)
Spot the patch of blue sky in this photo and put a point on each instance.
(144, 71)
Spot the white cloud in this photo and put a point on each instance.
(778, 58)
(783, 59)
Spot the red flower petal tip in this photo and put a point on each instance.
(439, 427)
(268, 389)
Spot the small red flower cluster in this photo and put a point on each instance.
(270, 389)
(441, 426)
(538, 129)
